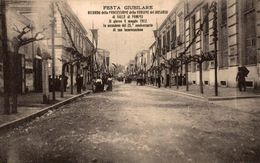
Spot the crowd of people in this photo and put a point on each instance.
(181, 80)
(157, 81)
(56, 83)
(103, 82)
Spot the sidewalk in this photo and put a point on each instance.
(224, 93)
(30, 105)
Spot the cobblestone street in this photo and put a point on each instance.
(138, 124)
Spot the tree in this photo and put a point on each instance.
(3, 39)
(17, 42)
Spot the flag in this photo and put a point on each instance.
(95, 35)
(155, 33)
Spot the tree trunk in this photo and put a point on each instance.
(177, 78)
(45, 82)
(170, 76)
(187, 76)
(6, 61)
(53, 52)
(181, 73)
(71, 79)
(13, 81)
(201, 82)
(62, 80)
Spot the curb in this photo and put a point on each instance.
(181, 93)
(232, 98)
(15, 123)
(210, 98)
(191, 95)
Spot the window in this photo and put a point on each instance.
(193, 48)
(224, 47)
(164, 43)
(159, 46)
(223, 12)
(79, 40)
(250, 38)
(249, 4)
(173, 36)
(76, 37)
(193, 28)
(168, 41)
(72, 32)
(206, 17)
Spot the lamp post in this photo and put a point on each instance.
(215, 39)
(52, 49)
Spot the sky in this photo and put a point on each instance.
(122, 46)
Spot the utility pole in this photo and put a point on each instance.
(53, 49)
(215, 39)
(95, 45)
(201, 82)
(5, 58)
(45, 79)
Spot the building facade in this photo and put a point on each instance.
(34, 61)
(18, 16)
(238, 41)
(68, 22)
(170, 42)
(27, 12)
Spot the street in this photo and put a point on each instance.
(138, 124)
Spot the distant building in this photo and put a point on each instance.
(130, 68)
(102, 61)
(152, 63)
(141, 61)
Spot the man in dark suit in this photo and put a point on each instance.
(241, 79)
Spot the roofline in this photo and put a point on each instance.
(169, 15)
(152, 44)
(67, 7)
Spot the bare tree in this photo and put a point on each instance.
(18, 41)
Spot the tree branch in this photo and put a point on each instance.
(27, 41)
(15, 28)
(24, 41)
(24, 31)
(38, 33)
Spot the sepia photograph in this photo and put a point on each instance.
(129, 81)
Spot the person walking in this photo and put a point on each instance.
(79, 83)
(51, 83)
(65, 80)
(104, 81)
(57, 83)
(159, 81)
(241, 79)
